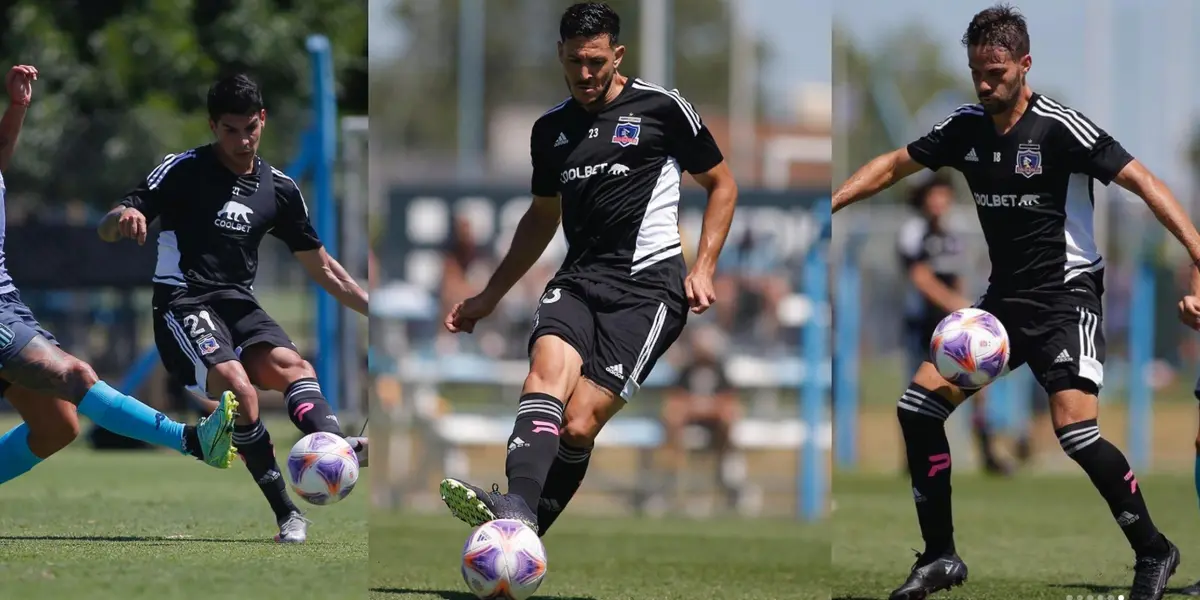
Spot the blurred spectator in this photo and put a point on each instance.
(702, 396)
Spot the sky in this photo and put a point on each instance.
(1128, 73)
(798, 31)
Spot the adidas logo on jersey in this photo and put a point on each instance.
(1063, 357)
(234, 216)
(616, 371)
(971, 156)
(562, 140)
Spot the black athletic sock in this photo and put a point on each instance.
(1106, 466)
(533, 446)
(566, 473)
(923, 415)
(254, 444)
(191, 441)
(307, 408)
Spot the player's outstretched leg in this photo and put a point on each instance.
(48, 425)
(590, 408)
(255, 447)
(38, 365)
(282, 369)
(922, 412)
(554, 371)
(1074, 414)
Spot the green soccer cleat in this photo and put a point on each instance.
(216, 433)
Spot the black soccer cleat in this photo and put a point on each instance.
(928, 577)
(1152, 572)
(474, 506)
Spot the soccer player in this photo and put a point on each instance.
(607, 162)
(933, 256)
(216, 203)
(49, 387)
(1031, 163)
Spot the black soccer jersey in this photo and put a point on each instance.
(618, 172)
(213, 221)
(940, 248)
(1033, 191)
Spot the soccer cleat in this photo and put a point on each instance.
(360, 449)
(926, 578)
(216, 433)
(473, 506)
(293, 529)
(1152, 572)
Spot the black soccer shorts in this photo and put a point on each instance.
(619, 335)
(1062, 340)
(194, 336)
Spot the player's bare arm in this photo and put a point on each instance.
(1138, 179)
(941, 295)
(881, 173)
(333, 278)
(718, 216)
(534, 232)
(123, 222)
(19, 83)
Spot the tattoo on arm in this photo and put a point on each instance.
(43, 367)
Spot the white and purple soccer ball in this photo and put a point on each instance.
(970, 348)
(503, 560)
(323, 468)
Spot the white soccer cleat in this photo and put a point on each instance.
(293, 529)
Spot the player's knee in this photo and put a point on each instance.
(581, 431)
(77, 377)
(229, 376)
(548, 377)
(292, 365)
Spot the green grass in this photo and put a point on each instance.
(1032, 537)
(159, 526)
(416, 557)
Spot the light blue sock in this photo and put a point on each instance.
(15, 456)
(125, 415)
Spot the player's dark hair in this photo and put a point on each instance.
(1001, 26)
(588, 20)
(918, 194)
(234, 95)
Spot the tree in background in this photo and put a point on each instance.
(124, 81)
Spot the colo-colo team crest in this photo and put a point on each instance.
(1029, 160)
(627, 131)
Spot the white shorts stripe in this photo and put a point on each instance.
(198, 365)
(660, 317)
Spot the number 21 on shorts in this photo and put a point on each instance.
(194, 324)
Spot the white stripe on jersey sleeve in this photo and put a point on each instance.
(303, 203)
(966, 109)
(1083, 132)
(689, 112)
(159, 173)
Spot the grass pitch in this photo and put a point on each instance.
(417, 557)
(155, 525)
(1030, 537)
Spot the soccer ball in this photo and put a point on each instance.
(503, 560)
(970, 348)
(323, 468)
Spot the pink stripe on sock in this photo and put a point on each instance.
(938, 462)
(540, 426)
